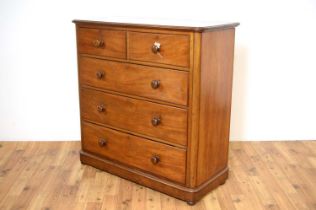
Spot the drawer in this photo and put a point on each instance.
(174, 49)
(109, 43)
(160, 121)
(156, 158)
(157, 83)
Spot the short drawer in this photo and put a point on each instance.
(160, 48)
(155, 120)
(109, 43)
(156, 83)
(156, 158)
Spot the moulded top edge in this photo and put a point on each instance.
(186, 25)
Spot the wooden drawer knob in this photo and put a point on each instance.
(155, 84)
(98, 43)
(155, 121)
(100, 74)
(155, 159)
(102, 142)
(101, 108)
(156, 47)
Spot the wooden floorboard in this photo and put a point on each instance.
(49, 176)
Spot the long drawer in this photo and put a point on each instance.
(157, 83)
(151, 119)
(156, 158)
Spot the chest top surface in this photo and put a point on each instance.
(175, 24)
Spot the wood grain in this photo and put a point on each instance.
(194, 111)
(135, 151)
(49, 175)
(135, 79)
(175, 49)
(144, 63)
(217, 54)
(114, 42)
(135, 115)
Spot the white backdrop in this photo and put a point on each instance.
(274, 95)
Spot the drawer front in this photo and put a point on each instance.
(174, 49)
(157, 83)
(156, 158)
(151, 119)
(109, 43)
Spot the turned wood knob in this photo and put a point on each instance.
(155, 121)
(101, 108)
(156, 47)
(100, 74)
(98, 43)
(155, 159)
(102, 142)
(155, 84)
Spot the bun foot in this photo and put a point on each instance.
(191, 203)
(223, 182)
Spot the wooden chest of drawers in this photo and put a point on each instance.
(155, 103)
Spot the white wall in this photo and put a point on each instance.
(274, 96)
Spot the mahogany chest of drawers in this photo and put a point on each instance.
(155, 103)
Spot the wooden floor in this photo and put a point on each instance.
(49, 175)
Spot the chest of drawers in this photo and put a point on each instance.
(155, 103)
